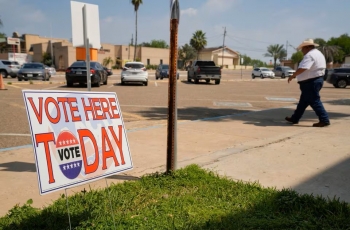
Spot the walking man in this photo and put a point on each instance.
(309, 75)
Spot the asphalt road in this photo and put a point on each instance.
(141, 105)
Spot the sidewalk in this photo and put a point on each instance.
(254, 146)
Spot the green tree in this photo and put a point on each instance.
(47, 59)
(343, 42)
(276, 52)
(107, 61)
(2, 35)
(246, 60)
(257, 63)
(297, 57)
(156, 44)
(329, 51)
(198, 41)
(136, 4)
(186, 53)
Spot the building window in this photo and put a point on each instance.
(161, 61)
(148, 62)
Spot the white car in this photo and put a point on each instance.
(262, 72)
(134, 72)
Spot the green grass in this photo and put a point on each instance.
(189, 198)
(31, 82)
(9, 83)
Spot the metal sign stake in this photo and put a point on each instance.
(110, 202)
(70, 224)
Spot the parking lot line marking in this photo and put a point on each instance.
(15, 134)
(155, 83)
(231, 104)
(110, 86)
(54, 87)
(15, 86)
(281, 99)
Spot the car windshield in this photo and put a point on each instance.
(33, 66)
(287, 68)
(165, 66)
(14, 63)
(264, 69)
(134, 65)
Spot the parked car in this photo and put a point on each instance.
(33, 71)
(108, 71)
(76, 73)
(163, 72)
(262, 72)
(52, 70)
(204, 70)
(283, 71)
(134, 72)
(9, 68)
(328, 73)
(340, 77)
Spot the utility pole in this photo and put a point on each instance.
(287, 50)
(223, 47)
(51, 50)
(132, 41)
(171, 163)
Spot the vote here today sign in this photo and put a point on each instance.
(78, 137)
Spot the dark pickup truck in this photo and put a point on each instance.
(204, 70)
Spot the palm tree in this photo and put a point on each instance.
(198, 41)
(107, 61)
(329, 51)
(275, 51)
(136, 4)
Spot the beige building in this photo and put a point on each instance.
(226, 57)
(64, 54)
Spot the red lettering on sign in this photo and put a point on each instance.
(118, 141)
(39, 115)
(74, 109)
(48, 115)
(46, 138)
(105, 108)
(87, 108)
(107, 154)
(114, 107)
(97, 108)
(63, 101)
(87, 133)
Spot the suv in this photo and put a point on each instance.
(283, 71)
(163, 72)
(9, 68)
(340, 77)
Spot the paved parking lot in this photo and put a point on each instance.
(148, 105)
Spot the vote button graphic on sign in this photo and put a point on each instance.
(69, 155)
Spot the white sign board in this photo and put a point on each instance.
(92, 21)
(78, 137)
(13, 41)
(21, 58)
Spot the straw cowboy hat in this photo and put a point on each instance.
(307, 42)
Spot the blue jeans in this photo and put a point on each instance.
(310, 96)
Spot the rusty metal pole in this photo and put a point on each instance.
(172, 105)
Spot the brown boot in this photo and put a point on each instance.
(320, 124)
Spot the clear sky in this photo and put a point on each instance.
(251, 25)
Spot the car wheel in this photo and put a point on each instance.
(106, 81)
(123, 83)
(335, 85)
(3, 73)
(341, 83)
(161, 78)
(283, 76)
(13, 76)
(253, 76)
(146, 83)
(207, 81)
(261, 76)
(217, 82)
(196, 81)
(20, 79)
(69, 84)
